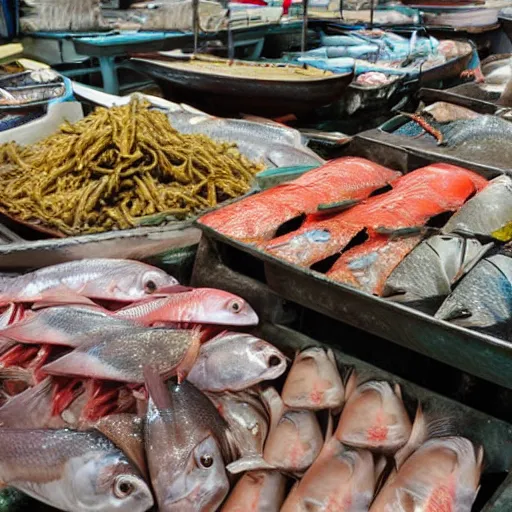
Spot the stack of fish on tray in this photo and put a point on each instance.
(93, 419)
(381, 57)
(369, 227)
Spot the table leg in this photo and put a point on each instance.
(109, 75)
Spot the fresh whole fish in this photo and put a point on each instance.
(200, 305)
(415, 198)
(61, 325)
(487, 212)
(247, 419)
(186, 447)
(235, 361)
(72, 470)
(121, 354)
(340, 480)
(484, 127)
(483, 298)
(314, 381)
(257, 491)
(110, 279)
(444, 112)
(431, 269)
(374, 418)
(344, 181)
(443, 474)
(367, 266)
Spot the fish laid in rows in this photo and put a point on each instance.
(344, 181)
(415, 198)
(257, 491)
(187, 447)
(433, 267)
(340, 480)
(374, 417)
(197, 306)
(235, 361)
(72, 470)
(486, 213)
(121, 354)
(314, 381)
(100, 278)
(442, 474)
(483, 298)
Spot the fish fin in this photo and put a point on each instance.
(190, 358)
(329, 432)
(249, 463)
(351, 384)
(419, 434)
(336, 207)
(125, 431)
(58, 297)
(156, 389)
(381, 464)
(171, 290)
(398, 391)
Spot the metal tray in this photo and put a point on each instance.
(473, 352)
(493, 434)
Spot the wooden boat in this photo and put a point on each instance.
(220, 85)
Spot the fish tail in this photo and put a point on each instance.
(156, 389)
(351, 384)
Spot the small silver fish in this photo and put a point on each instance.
(235, 361)
(186, 446)
(483, 299)
(72, 471)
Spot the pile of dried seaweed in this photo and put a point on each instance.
(114, 167)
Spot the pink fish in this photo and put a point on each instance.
(197, 306)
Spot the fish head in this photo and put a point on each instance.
(106, 481)
(223, 308)
(142, 283)
(201, 484)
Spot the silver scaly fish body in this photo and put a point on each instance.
(186, 446)
(72, 471)
(484, 127)
(483, 299)
(487, 212)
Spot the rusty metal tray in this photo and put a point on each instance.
(473, 352)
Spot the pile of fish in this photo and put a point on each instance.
(379, 57)
(368, 227)
(119, 393)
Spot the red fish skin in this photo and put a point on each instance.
(415, 198)
(367, 266)
(257, 217)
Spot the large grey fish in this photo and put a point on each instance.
(121, 354)
(235, 361)
(483, 299)
(186, 446)
(483, 127)
(100, 278)
(431, 269)
(270, 144)
(72, 471)
(487, 212)
(62, 325)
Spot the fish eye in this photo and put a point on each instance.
(235, 306)
(274, 361)
(123, 488)
(150, 286)
(206, 461)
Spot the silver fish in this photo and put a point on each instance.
(101, 278)
(235, 361)
(121, 354)
(62, 325)
(247, 419)
(484, 127)
(431, 269)
(72, 471)
(186, 447)
(487, 212)
(483, 299)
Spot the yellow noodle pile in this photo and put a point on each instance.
(114, 167)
